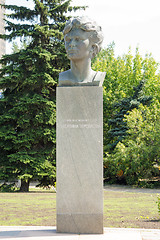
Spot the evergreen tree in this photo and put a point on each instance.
(118, 127)
(28, 79)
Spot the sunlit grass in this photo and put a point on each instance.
(38, 208)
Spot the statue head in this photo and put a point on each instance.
(84, 29)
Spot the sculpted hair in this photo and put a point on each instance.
(88, 25)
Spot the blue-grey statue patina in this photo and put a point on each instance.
(83, 40)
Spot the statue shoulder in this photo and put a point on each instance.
(64, 78)
(99, 78)
(64, 75)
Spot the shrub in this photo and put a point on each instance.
(158, 202)
(7, 187)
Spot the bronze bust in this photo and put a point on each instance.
(83, 39)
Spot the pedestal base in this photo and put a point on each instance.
(80, 223)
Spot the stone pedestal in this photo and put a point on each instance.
(79, 160)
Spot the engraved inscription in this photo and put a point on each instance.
(79, 123)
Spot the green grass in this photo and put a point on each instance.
(33, 208)
(121, 209)
(126, 209)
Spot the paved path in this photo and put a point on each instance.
(124, 188)
(49, 233)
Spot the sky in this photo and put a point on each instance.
(129, 23)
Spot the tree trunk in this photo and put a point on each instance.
(24, 186)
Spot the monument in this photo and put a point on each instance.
(80, 132)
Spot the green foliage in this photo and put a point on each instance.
(28, 78)
(22, 45)
(118, 128)
(158, 202)
(137, 151)
(122, 74)
(137, 155)
(7, 187)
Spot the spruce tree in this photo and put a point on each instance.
(28, 79)
(118, 127)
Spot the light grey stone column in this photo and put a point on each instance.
(80, 159)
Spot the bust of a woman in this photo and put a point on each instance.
(83, 39)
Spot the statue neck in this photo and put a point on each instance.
(81, 70)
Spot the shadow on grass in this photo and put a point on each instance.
(153, 220)
(38, 192)
(41, 192)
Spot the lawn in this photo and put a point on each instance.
(38, 208)
(131, 210)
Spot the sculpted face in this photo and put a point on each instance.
(83, 39)
(77, 44)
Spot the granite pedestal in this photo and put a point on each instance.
(79, 159)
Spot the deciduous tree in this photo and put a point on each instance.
(130, 160)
